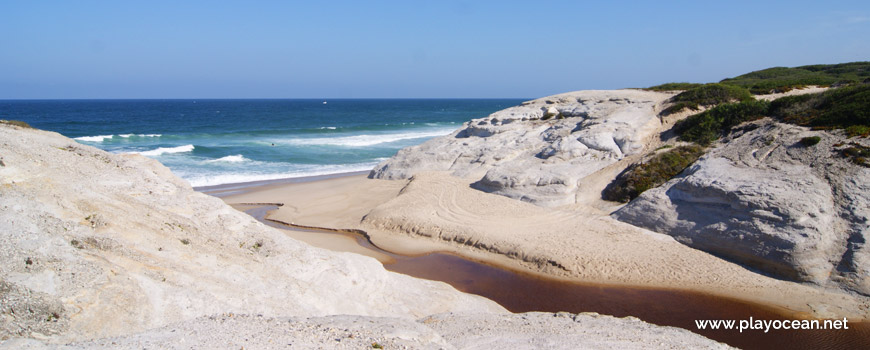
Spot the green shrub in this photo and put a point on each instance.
(679, 106)
(17, 123)
(858, 154)
(782, 79)
(858, 130)
(704, 128)
(707, 95)
(795, 109)
(841, 108)
(673, 86)
(643, 176)
(810, 141)
(712, 94)
(844, 107)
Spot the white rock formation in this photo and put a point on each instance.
(763, 199)
(539, 151)
(95, 245)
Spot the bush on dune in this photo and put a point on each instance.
(782, 79)
(707, 95)
(842, 108)
(673, 87)
(704, 128)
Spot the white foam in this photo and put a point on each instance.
(98, 138)
(367, 140)
(327, 127)
(238, 158)
(223, 179)
(165, 150)
(101, 138)
(140, 135)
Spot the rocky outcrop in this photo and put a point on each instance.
(94, 244)
(541, 150)
(763, 198)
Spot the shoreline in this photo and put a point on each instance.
(237, 188)
(337, 203)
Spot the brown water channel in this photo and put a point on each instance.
(522, 292)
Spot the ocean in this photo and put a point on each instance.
(214, 142)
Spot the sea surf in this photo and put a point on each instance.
(214, 142)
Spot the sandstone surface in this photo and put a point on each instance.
(762, 198)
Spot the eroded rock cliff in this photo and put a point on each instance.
(764, 198)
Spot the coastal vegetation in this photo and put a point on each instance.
(673, 86)
(783, 79)
(845, 108)
(706, 127)
(17, 123)
(858, 154)
(649, 174)
(707, 95)
(810, 141)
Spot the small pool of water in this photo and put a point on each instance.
(522, 292)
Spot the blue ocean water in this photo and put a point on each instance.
(212, 142)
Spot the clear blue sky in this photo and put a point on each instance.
(356, 49)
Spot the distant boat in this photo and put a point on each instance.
(324, 102)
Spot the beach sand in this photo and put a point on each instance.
(438, 212)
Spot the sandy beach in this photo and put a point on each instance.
(436, 212)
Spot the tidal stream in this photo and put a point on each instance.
(522, 292)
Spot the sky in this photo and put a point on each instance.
(406, 49)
